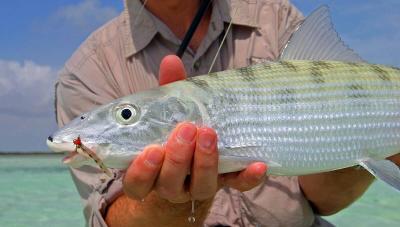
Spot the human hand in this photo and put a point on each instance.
(395, 159)
(164, 169)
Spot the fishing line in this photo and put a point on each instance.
(192, 217)
(185, 42)
(222, 42)
(140, 12)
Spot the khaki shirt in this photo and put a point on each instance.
(123, 57)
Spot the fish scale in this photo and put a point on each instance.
(283, 114)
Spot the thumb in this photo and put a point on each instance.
(171, 70)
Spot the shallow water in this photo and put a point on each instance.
(36, 190)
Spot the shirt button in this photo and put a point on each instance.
(196, 65)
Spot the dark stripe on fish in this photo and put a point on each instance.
(353, 64)
(198, 82)
(289, 65)
(316, 73)
(246, 73)
(356, 90)
(322, 65)
(380, 72)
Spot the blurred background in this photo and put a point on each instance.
(37, 37)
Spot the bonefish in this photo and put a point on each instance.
(319, 108)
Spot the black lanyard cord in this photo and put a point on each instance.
(192, 29)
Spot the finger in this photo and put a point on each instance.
(141, 174)
(205, 166)
(395, 158)
(171, 70)
(247, 179)
(179, 151)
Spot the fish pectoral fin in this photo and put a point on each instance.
(384, 170)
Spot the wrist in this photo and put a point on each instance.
(177, 214)
(155, 211)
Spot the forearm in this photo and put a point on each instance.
(330, 192)
(333, 191)
(154, 211)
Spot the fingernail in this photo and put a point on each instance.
(206, 141)
(186, 133)
(261, 171)
(154, 157)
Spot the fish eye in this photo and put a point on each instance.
(126, 114)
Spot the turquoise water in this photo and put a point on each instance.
(36, 190)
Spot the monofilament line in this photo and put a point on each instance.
(140, 11)
(223, 40)
(192, 217)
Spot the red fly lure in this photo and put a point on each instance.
(87, 152)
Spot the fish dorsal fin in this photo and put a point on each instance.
(316, 39)
(384, 170)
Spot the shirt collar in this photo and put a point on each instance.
(145, 27)
(243, 12)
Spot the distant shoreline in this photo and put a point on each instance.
(29, 153)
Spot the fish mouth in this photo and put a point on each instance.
(72, 158)
(60, 147)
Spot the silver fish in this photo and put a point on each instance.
(298, 116)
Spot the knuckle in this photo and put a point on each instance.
(182, 199)
(136, 186)
(249, 184)
(242, 187)
(238, 183)
(256, 180)
(136, 179)
(167, 193)
(177, 159)
(139, 179)
(132, 192)
(210, 152)
(206, 164)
